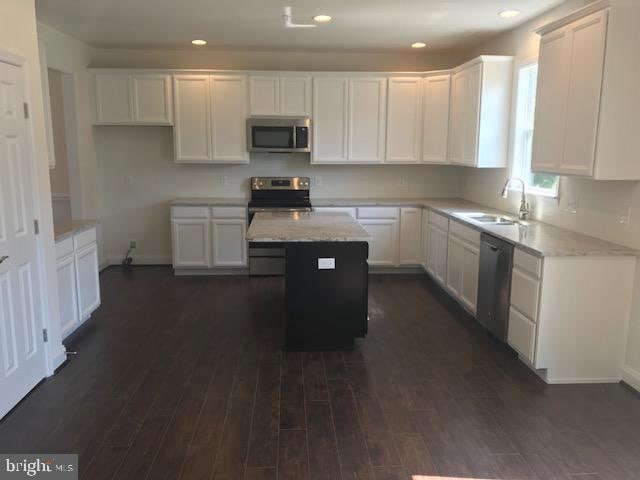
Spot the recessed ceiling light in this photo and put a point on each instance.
(322, 18)
(418, 45)
(509, 13)
(199, 42)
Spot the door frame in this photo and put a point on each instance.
(53, 354)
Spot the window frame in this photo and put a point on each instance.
(518, 165)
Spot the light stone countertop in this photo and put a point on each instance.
(305, 227)
(209, 201)
(67, 229)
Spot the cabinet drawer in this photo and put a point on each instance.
(229, 212)
(190, 212)
(351, 211)
(524, 293)
(522, 335)
(377, 212)
(85, 238)
(64, 248)
(439, 220)
(527, 262)
(465, 233)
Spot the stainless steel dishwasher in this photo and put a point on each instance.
(494, 287)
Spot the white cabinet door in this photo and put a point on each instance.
(410, 236)
(383, 246)
(67, 298)
(229, 242)
(455, 255)
(350, 210)
(471, 114)
(521, 335)
(295, 96)
(191, 242)
(551, 101)
(437, 254)
(435, 118)
(229, 109)
(469, 279)
(330, 119)
(456, 122)
(113, 98)
(367, 119)
(192, 130)
(583, 104)
(404, 120)
(88, 280)
(264, 95)
(424, 244)
(152, 99)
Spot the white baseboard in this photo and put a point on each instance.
(59, 357)
(570, 380)
(141, 259)
(631, 377)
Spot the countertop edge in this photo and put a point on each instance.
(75, 227)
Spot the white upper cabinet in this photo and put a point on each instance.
(479, 117)
(264, 95)
(367, 119)
(229, 110)
(280, 95)
(295, 95)
(435, 118)
(152, 99)
(588, 108)
(404, 120)
(192, 131)
(123, 98)
(113, 98)
(210, 118)
(330, 120)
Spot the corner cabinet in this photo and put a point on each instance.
(208, 237)
(210, 118)
(587, 118)
(124, 98)
(479, 117)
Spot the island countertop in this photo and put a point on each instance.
(305, 227)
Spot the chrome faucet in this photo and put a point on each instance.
(524, 205)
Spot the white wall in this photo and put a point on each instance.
(18, 36)
(70, 56)
(140, 177)
(587, 206)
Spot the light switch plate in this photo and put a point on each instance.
(326, 263)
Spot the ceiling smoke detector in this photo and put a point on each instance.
(288, 20)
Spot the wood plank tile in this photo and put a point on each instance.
(292, 392)
(293, 457)
(323, 451)
(315, 379)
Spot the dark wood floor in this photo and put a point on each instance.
(184, 378)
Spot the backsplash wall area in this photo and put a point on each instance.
(139, 178)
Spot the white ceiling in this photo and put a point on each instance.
(371, 25)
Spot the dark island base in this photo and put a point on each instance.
(326, 308)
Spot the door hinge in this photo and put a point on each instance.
(36, 227)
(45, 335)
(26, 110)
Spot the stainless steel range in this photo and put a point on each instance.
(274, 194)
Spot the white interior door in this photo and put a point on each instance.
(22, 356)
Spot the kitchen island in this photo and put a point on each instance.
(326, 276)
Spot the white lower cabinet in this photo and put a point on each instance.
(229, 242)
(522, 335)
(78, 279)
(410, 235)
(463, 264)
(437, 253)
(424, 241)
(383, 246)
(208, 237)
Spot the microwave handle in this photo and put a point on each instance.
(295, 139)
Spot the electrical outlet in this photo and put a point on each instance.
(317, 181)
(573, 205)
(402, 180)
(224, 180)
(133, 243)
(625, 218)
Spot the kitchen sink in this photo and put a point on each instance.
(488, 218)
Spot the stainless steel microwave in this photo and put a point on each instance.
(279, 134)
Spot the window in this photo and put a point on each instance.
(537, 183)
